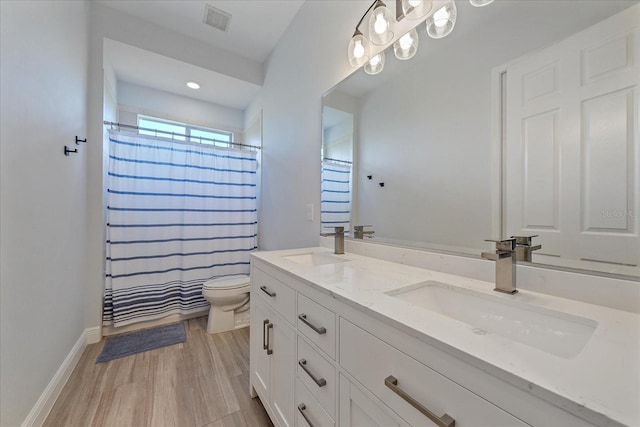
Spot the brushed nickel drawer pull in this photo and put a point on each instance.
(444, 421)
(301, 408)
(269, 350)
(264, 289)
(264, 334)
(320, 382)
(321, 330)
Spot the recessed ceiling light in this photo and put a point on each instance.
(193, 85)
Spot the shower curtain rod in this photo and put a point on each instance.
(338, 161)
(188, 137)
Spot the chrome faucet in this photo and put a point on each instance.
(338, 245)
(505, 259)
(358, 231)
(524, 249)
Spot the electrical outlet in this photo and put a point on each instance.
(310, 212)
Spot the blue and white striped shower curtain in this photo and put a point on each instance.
(335, 199)
(177, 215)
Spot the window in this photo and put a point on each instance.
(183, 131)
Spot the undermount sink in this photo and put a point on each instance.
(313, 259)
(551, 331)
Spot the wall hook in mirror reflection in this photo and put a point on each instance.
(369, 176)
(67, 150)
(381, 184)
(78, 140)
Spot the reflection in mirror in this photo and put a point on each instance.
(337, 160)
(523, 121)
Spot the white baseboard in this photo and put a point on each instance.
(94, 335)
(41, 409)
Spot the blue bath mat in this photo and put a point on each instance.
(139, 341)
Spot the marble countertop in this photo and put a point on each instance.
(601, 383)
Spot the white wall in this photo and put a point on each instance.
(43, 210)
(291, 100)
(134, 99)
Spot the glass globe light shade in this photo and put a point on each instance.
(358, 50)
(375, 64)
(406, 46)
(441, 23)
(381, 24)
(480, 3)
(415, 9)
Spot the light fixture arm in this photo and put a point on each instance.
(357, 31)
(399, 12)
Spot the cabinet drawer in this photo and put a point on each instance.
(318, 375)
(372, 362)
(318, 324)
(308, 411)
(278, 295)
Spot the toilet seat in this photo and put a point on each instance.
(227, 282)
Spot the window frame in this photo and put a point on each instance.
(188, 128)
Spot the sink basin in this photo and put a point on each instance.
(554, 332)
(313, 259)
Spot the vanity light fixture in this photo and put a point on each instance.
(358, 49)
(375, 64)
(416, 9)
(440, 23)
(480, 3)
(406, 46)
(381, 24)
(193, 85)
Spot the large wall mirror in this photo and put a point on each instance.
(523, 121)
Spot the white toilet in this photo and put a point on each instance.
(229, 299)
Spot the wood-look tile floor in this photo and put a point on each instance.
(202, 382)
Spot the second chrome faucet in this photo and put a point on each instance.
(508, 251)
(338, 245)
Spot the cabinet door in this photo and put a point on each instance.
(283, 370)
(357, 409)
(260, 361)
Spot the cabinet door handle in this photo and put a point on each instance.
(266, 291)
(264, 334)
(321, 330)
(301, 408)
(320, 382)
(444, 421)
(269, 349)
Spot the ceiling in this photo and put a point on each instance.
(255, 28)
(148, 69)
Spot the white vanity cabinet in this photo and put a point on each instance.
(335, 364)
(359, 408)
(417, 393)
(273, 347)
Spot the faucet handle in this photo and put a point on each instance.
(524, 248)
(504, 244)
(361, 227)
(525, 240)
(337, 231)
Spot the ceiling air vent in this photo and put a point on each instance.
(216, 18)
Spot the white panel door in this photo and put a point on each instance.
(571, 150)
